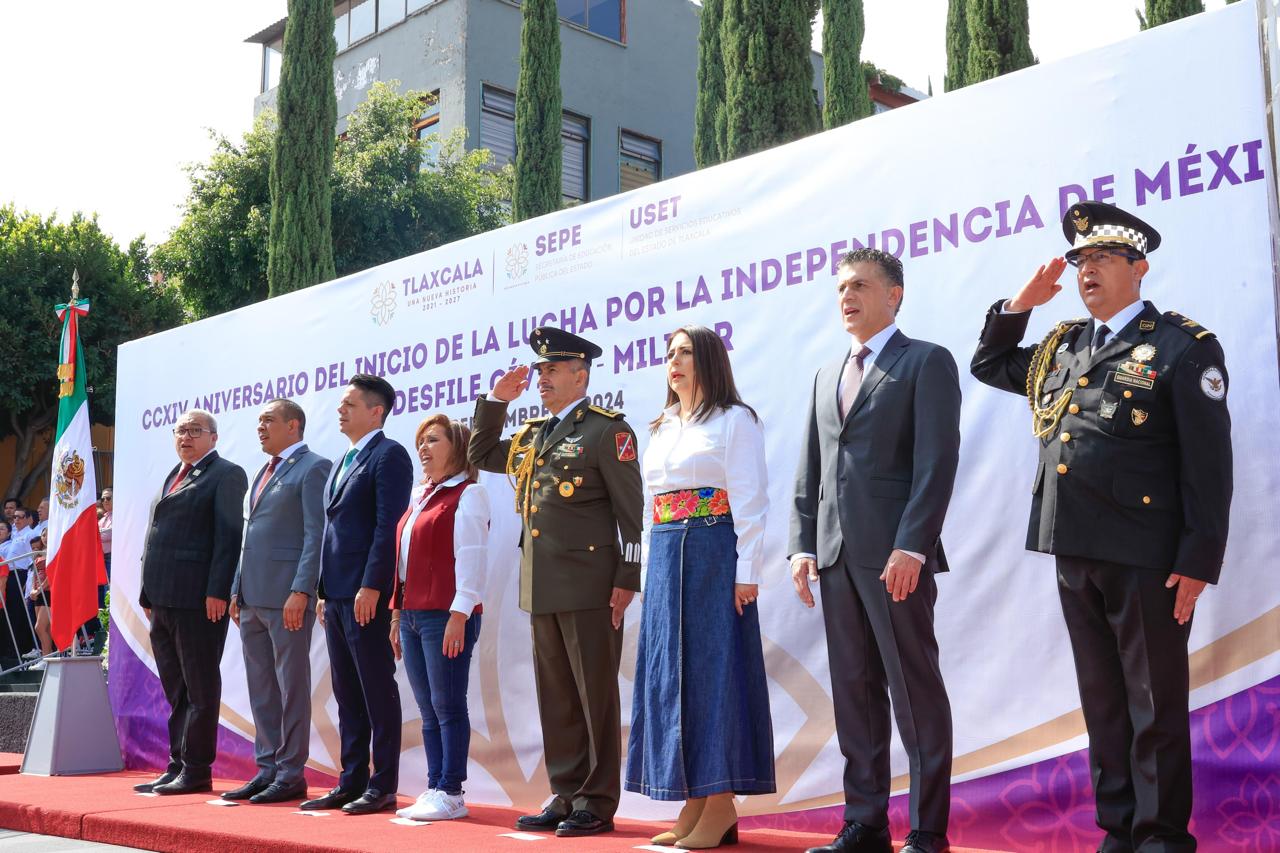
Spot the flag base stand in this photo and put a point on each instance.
(73, 731)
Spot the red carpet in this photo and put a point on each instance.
(10, 762)
(105, 809)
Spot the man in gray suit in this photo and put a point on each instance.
(273, 601)
(878, 463)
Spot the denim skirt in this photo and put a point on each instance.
(700, 722)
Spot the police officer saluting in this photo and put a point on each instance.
(580, 494)
(1132, 496)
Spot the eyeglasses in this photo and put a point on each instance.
(189, 432)
(1103, 256)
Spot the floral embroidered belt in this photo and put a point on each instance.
(689, 503)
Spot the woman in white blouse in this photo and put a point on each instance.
(701, 731)
(435, 620)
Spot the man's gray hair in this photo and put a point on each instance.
(210, 422)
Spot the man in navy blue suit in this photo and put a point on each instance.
(365, 496)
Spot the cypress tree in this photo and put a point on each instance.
(1163, 11)
(999, 38)
(957, 46)
(708, 115)
(768, 76)
(300, 237)
(845, 86)
(539, 147)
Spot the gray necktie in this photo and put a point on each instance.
(851, 380)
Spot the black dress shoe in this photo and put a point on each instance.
(583, 822)
(544, 821)
(337, 798)
(371, 801)
(185, 784)
(164, 779)
(858, 838)
(277, 793)
(255, 785)
(919, 841)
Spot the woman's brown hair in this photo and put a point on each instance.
(714, 376)
(459, 437)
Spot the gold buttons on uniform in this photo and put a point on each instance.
(1128, 394)
(591, 547)
(534, 533)
(1073, 409)
(1146, 499)
(535, 484)
(533, 508)
(1083, 381)
(1066, 436)
(541, 461)
(1062, 469)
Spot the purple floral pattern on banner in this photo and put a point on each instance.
(1047, 807)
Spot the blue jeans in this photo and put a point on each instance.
(440, 687)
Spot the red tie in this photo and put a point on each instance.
(177, 481)
(851, 380)
(262, 484)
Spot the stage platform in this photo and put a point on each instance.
(105, 809)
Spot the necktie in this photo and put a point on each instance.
(262, 484)
(177, 481)
(851, 380)
(552, 423)
(1100, 338)
(342, 469)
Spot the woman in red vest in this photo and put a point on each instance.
(440, 567)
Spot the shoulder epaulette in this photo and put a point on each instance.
(608, 413)
(1186, 324)
(533, 421)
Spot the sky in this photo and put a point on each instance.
(108, 102)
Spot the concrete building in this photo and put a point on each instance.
(628, 76)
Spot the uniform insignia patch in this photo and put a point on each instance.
(577, 481)
(1136, 381)
(1107, 410)
(566, 490)
(1213, 383)
(1138, 416)
(626, 445)
(1143, 352)
(1062, 348)
(1081, 222)
(1134, 368)
(1146, 325)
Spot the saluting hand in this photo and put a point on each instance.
(804, 570)
(1042, 287)
(512, 384)
(1189, 590)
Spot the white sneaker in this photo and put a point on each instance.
(441, 806)
(32, 655)
(425, 800)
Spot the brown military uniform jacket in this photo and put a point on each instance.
(581, 496)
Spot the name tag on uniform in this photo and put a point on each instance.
(1136, 381)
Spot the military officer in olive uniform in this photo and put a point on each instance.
(1132, 496)
(580, 494)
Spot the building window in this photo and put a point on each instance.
(364, 21)
(575, 133)
(390, 12)
(606, 18)
(271, 56)
(498, 134)
(639, 161)
(424, 129)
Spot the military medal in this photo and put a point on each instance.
(1143, 352)
(566, 489)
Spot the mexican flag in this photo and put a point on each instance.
(74, 558)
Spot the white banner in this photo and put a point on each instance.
(969, 189)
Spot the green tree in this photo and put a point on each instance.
(768, 74)
(37, 259)
(1163, 11)
(384, 205)
(539, 147)
(957, 45)
(999, 38)
(708, 115)
(300, 245)
(844, 83)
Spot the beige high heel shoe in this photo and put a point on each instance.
(717, 826)
(685, 823)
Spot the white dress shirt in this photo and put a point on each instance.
(470, 530)
(876, 343)
(726, 451)
(1122, 318)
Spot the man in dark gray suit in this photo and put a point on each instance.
(273, 601)
(188, 564)
(878, 463)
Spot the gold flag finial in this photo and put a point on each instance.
(75, 284)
